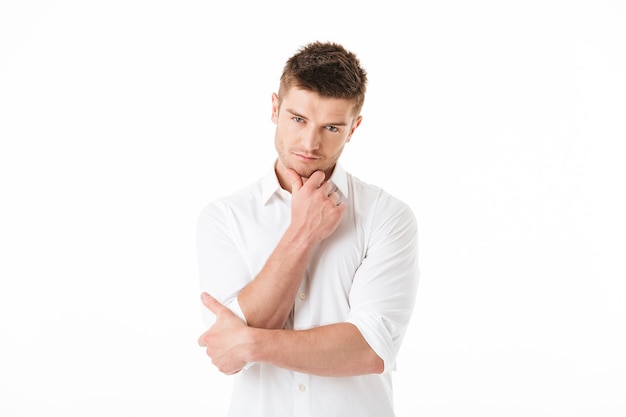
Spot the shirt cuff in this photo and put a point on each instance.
(380, 335)
(234, 306)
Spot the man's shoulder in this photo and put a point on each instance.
(374, 195)
(246, 195)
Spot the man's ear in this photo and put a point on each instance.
(356, 124)
(275, 107)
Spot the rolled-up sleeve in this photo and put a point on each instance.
(382, 296)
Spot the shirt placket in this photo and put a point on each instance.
(301, 308)
(302, 395)
(302, 381)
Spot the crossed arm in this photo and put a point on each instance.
(332, 350)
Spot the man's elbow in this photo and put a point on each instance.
(376, 364)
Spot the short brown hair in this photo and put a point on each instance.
(328, 69)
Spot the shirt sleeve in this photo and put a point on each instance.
(222, 270)
(382, 296)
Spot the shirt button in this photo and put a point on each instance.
(302, 388)
(302, 296)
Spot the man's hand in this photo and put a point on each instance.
(227, 342)
(316, 207)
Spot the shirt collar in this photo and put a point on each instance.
(270, 185)
(340, 179)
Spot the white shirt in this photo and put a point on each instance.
(365, 273)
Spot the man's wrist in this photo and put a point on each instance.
(299, 238)
(255, 352)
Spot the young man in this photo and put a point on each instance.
(309, 275)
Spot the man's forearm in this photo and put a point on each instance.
(333, 350)
(268, 299)
(316, 211)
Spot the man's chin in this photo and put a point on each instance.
(303, 172)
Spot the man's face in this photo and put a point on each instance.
(311, 131)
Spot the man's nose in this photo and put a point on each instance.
(311, 138)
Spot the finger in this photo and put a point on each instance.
(201, 340)
(295, 180)
(212, 304)
(335, 198)
(329, 188)
(316, 179)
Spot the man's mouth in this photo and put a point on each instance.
(306, 157)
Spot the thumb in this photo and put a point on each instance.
(294, 179)
(212, 304)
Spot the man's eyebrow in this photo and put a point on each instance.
(295, 113)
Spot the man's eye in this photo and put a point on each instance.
(297, 119)
(332, 128)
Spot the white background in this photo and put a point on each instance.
(501, 123)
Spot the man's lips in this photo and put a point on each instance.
(306, 157)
